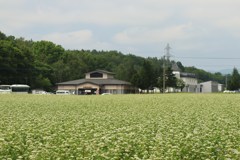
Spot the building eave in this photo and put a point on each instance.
(95, 81)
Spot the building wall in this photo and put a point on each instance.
(74, 88)
(220, 87)
(190, 84)
(209, 87)
(189, 81)
(177, 74)
(206, 87)
(214, 87)
(113, 89)
(89, 88)
(66, 87)
(109, 76)
(190, 88)
(87, 85)
(116, 89)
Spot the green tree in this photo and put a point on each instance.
(47, 52)
(2, 36)
(180, 84)
(156, 69)
(146, 74)
(234, 80)
(42, 83)
(130, 65)
(16, 62)
(136, 80)
(179, 64)
(21, 61)
(170, 79)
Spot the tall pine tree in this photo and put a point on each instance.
(234, 83)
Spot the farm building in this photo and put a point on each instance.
(191, 82)
(210, 87)
(97, 82)
(189, 79)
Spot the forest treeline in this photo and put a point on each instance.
(42, 64)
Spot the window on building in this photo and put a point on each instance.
(96, 75)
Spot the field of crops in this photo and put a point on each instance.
(170, 126)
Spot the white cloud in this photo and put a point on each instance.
(71, 39)
(146, 35)
(138, 26)
(222, 14)
(82, 39)
(92, 12)
(232, 25)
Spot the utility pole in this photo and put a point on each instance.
(167, 49)
(164, 76)
(226, 81)
(167, 55)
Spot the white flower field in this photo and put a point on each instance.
(154, 126)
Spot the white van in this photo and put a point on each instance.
(62, 92)
(5, 89)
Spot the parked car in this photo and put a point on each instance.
(227, 91)
(62, 92)
(39, 92)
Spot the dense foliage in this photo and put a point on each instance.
(42, 64)
(161, 126)
(234, 81)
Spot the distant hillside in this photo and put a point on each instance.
(42, 64)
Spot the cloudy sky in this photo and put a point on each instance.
(201, 33)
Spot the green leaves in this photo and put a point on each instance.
(234, 83)
(170, 126)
